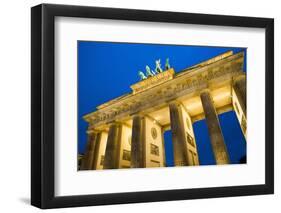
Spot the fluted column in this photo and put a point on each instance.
(89, 154)
(138, 143)
(240, 88)
(112, 151)
(215, 133)
(163, 147)
(96, 151)
(178, 135)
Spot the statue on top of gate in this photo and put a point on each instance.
(151, 72)
(167, 64)
(142, 75)
(158, 68)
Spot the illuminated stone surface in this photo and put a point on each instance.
(215, 133)
(167, 101)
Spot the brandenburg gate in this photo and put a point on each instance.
(127, 132)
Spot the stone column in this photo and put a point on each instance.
(112, 150)
(163, 147)
(89, 154)
(96, 152)
(240, 88)
(217, 140)
(138, 143)
(178, 135)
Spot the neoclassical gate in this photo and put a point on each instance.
(127, 132)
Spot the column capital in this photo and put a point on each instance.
(137, 114)
(206, 90)
(242, 76)
(177, 102)
(114, 123)
(92, 131)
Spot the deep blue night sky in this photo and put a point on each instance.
(106, 70)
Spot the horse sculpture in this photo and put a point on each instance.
(142, 76)
(158, 68)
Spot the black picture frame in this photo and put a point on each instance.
(43, 102)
